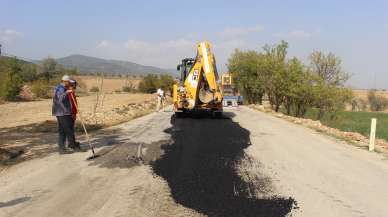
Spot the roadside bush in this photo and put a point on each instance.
(289, 83)
(128, 88)
(166, 82)
(41, 89)
(151, 83)
(94, 89)
(377, 102)
(359, 104)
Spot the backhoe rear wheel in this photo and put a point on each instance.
(179, 114)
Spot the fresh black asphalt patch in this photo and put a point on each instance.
(200, 165)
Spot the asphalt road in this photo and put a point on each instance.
(245, 164)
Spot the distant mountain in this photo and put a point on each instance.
(93, 65)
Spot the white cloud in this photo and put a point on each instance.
(164, 53)
(104, 44)
(232, 32)
(9, 35)
(169, 53)
(298, 34)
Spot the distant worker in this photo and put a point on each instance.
(160, 98)
(62, 110)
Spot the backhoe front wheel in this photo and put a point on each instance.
(217, 114)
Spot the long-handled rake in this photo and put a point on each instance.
(94, 155)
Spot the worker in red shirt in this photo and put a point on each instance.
(74, 104)
(73, 99)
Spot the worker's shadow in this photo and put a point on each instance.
(201, 165)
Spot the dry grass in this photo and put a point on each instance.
(363, 94)
(29, 128)
(16, 114)
(110, 84)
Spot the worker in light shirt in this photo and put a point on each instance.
(61, 109)
(160, 98)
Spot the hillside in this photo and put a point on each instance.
(6, 60)
(92, 64)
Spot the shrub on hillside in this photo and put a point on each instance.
(41, 89)
(94, 89)
(129, 88)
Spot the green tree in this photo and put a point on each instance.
(40, 88)
(166, 82)
(298, 95)
(289, 83)
(276, 73)
(330, 98)
(248, 74)
(3, 75)
(149, 84)
(29, 73)
(13, 81)
(49, 69)
(329, 92)
(328, 68)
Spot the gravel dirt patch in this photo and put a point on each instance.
(28, 130)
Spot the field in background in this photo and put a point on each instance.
(29, 127)
(110, 84)
(364, 93)
(15, 114)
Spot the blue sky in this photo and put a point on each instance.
(160, 33)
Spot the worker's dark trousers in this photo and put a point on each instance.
(66, 131)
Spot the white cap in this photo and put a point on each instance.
(66, 78)
(72, 81)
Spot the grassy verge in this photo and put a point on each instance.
(355, 122)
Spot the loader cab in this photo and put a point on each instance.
(185, 68)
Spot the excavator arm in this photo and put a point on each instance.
(201, 81)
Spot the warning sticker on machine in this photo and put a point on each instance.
(193, 78)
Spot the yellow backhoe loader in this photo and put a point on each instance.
(197, 88)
